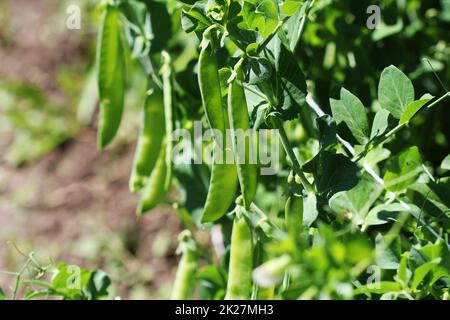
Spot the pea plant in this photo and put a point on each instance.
(36, 280)
(349, 213)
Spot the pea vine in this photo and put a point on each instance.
(347, 214)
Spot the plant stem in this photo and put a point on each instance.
(271, 35)
(400, 126)
(295, 164)
(261, 47)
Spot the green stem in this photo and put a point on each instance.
(19, 278)
(271, 35)
(401, 126)
(295, 164)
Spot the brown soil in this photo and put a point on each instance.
(74, 204)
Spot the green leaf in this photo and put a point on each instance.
(421, 272)
(403, 273)
(358, 200)
(70, 280)
(446, 163)
(333, 173)
(261, 16)
(290, 83)
(387, 250)
(351, 111)
(412, 109)
(194, 19)
(310, 212)
(290, 7)
(380, 123)
(375, 156)
(327, 132)
(403, 170)
(379, 288)
(294, 22)
(382, 214)
(97, 287)
(395, 91)
(432, 198)
(260, 70)
(213, 282)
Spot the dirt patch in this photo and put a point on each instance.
(74, 205)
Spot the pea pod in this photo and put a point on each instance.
(150, 140)
(294, 214)
(156, 188)
(239, 286)
(240, 125)
(110, 77)
(187, 268)
(223, 182)
(166, 72)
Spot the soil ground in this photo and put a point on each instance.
(74, 205)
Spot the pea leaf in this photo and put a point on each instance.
(70, 279)
(260, 70)
(402, 170)
(97, 287)
(395, 91)
(379, 287)
(432, 198)
(310, 212)
(291, 84)
(403, 273)
(446, 163)
(412, 109)
(296, 10)
(387, 252)
(195, 19)
(333, 173)
(380, 123)
(421, 272)
(290, 7)
(350, 110)
(327, 132)
(260, 15)
(382, 214)
(358, 200)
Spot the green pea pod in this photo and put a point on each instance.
(240, 125)
(239, 286)
(223, 182)
(294, 214)
(156, 189)
(187, 268)
(168, 111)
(111, 76)
(150, 140)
